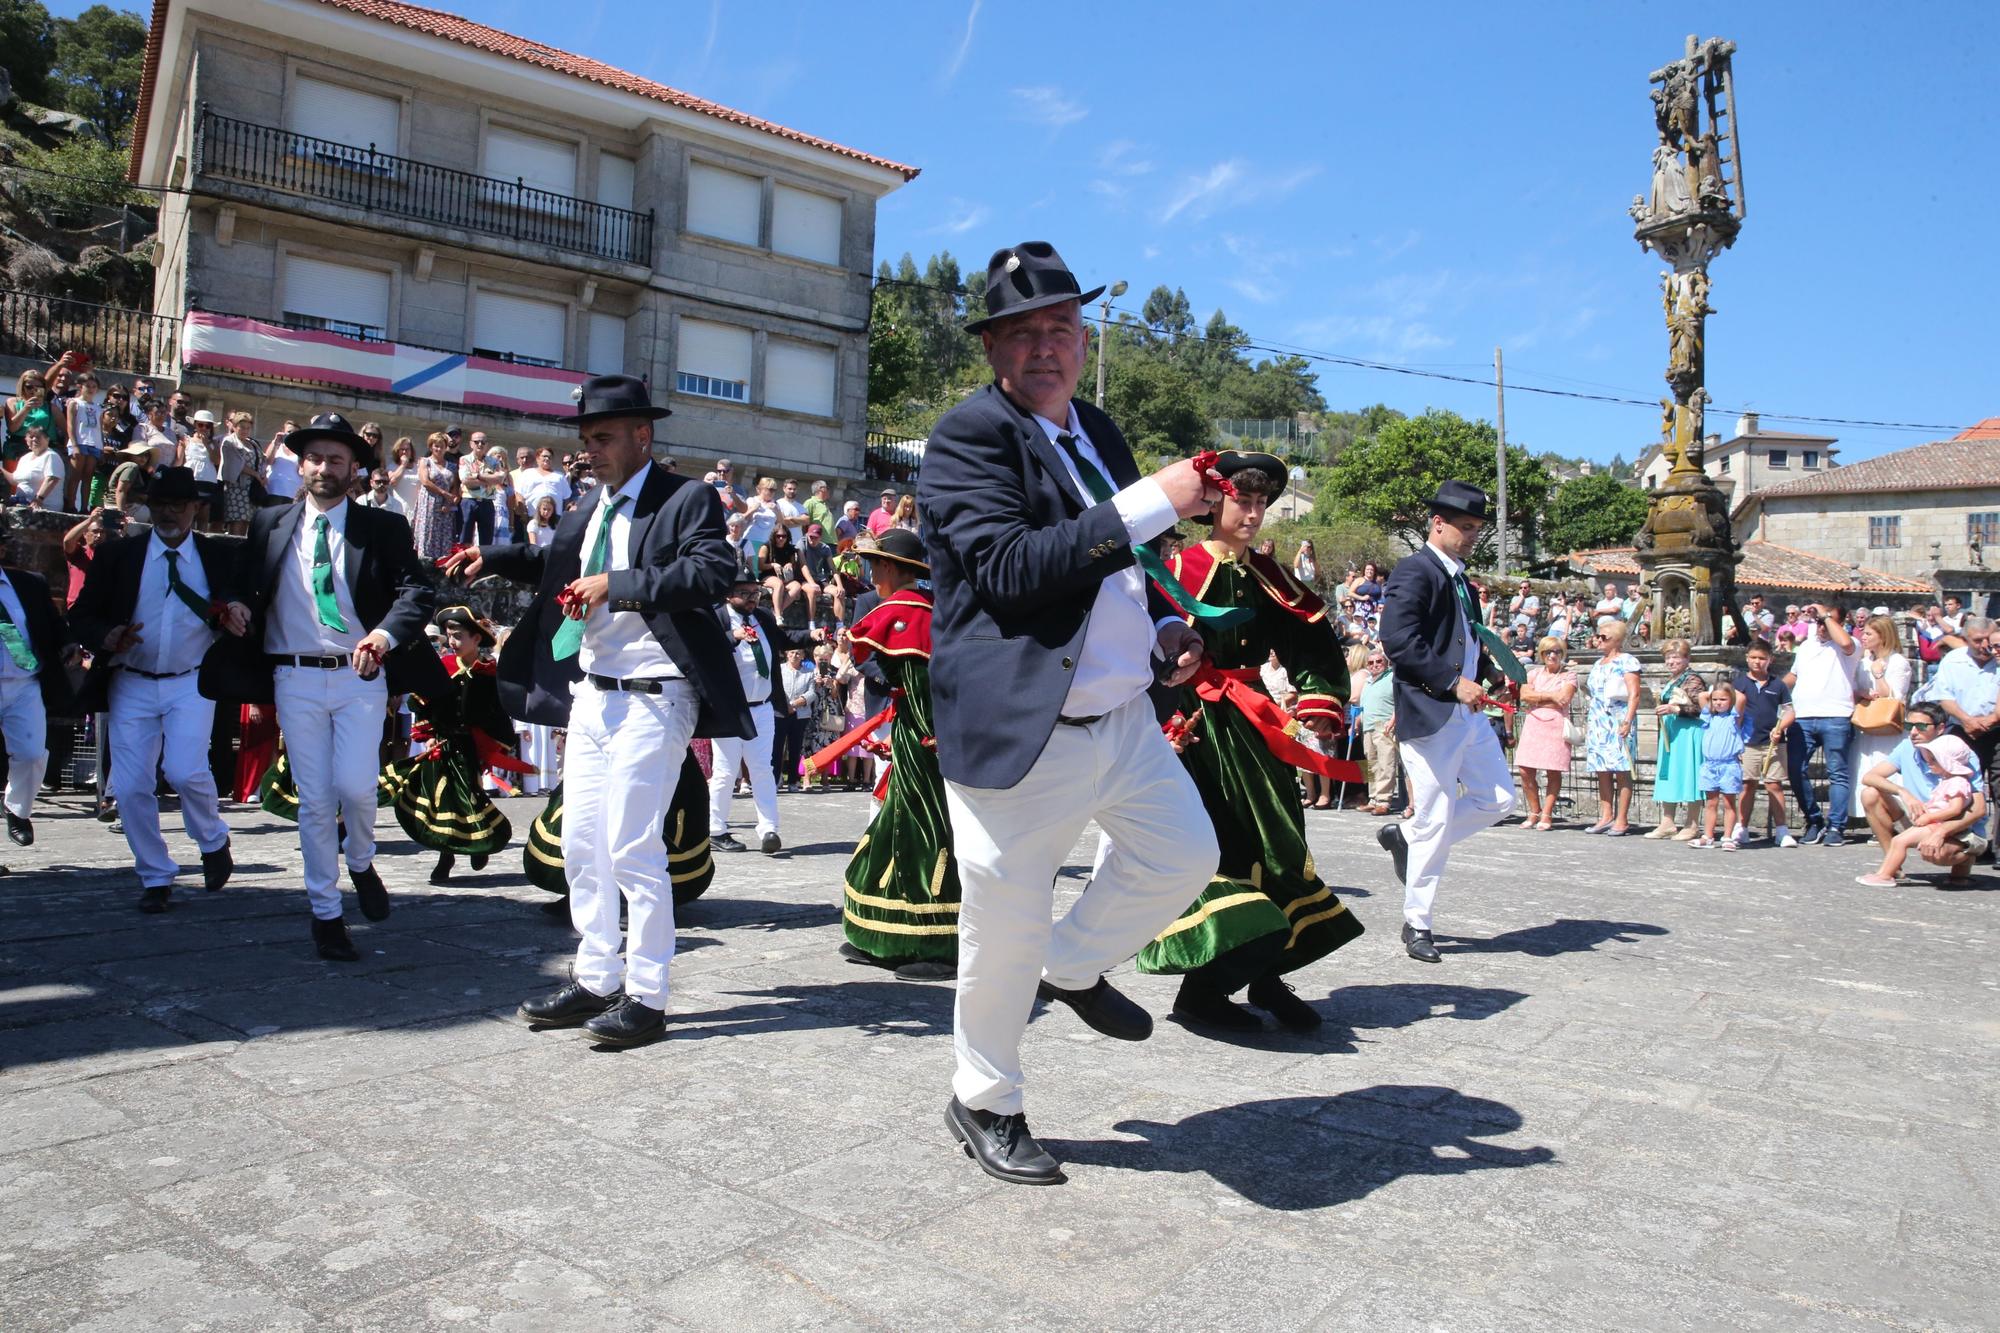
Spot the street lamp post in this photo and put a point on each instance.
(1116, 289)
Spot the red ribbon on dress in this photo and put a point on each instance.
(830, 755)
(1277, 729)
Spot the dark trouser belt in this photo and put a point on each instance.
(1081, 721)
(321, 663)
(156, 675)
(641, 685)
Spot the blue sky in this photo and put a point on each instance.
(1417, 183)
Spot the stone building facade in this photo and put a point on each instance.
(1751, 460)
(421, 220)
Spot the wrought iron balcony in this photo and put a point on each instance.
(265, 157)
(115, 339)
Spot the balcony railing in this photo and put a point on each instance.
(888, 457)
(378, 182)
(43, 327)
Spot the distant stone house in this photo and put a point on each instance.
(1783, 574)
(1751, 460)
(1904, 513)
(419, 219)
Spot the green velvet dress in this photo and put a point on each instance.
(689, 860)
(901, 899)
(437, 795)
(1267, 911)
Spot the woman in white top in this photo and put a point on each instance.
(542, 527)
(1305, 564)
(1884, 673)
(281, 467)
(500, 486)
(38, 476)
(403, 473)
(86, 441)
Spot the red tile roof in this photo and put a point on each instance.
(1766, 565)
(1988, 429)
(1943, 465)
(452, 28)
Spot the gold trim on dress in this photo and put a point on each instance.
(898, 905)
(897, 928)
(1209, 909)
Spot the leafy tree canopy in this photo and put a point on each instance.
(99, 59)
(27, 48)
(1594, 511)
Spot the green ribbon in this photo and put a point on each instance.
(16, 646)
(1496, 647)
(181, 590)
(757, 653)
(568, 640)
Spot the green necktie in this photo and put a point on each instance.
(569, 635)
(1100, 490)
(182, 591)
(322, 579)
(757, 651)
(1496, 647)
(17, 646)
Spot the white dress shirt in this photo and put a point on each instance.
(174, 637)
(293, 625)
(1115, 664)
(1467, 639)
(620, 644)
(756, 688)
(10, 598)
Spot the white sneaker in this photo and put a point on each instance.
(1785, 838)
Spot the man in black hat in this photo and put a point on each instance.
(35, 648)
(759, 644)
(337, 601)
(151, 607)
(1431, 629)
(1045, 639)
(621, 646)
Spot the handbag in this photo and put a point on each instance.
(1879, 717)
(1573, 735)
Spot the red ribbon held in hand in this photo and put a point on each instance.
(1204, 462)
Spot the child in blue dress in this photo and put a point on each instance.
(1723, 733)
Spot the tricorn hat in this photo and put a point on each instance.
(463, 618)
(1027, 277)
(1460, 497)
(333, 426)
(172, 485)
(900, 545)
(604, 396)
(1233, 461)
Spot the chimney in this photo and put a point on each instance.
(1747, 424)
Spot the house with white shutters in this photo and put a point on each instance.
(420, 220)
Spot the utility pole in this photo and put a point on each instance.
(1500, 391)
(1103, 329)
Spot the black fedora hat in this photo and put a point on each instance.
(172, 485)
(900, 545)
(602, 397)
(333, 426)
(1462, 497)
(1027, 277)
(1233, 461)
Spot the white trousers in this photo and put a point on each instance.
(1459, 784)
(331, 723)
(620, 770)
(26, 728)
(1121, 772)
(162, 726)
(756, 752)
(540, 750)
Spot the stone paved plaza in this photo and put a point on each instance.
(1649, 1087)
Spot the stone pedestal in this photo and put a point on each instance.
(1687, 560)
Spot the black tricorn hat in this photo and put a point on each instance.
(1462, 497)
(463, 617)
(333, 426)
(172, 485)
(1027, 277)
(602, 397)
(1234, 461)
(900, 545)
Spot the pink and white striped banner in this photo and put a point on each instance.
(272, 351)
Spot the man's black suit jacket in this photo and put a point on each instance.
(49, 636)
(777, 642)
(1420, 632)
(1016, 558)
(681, 566)
(110, 598)
(391, 588)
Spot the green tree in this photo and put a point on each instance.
(1157, 406)
(1387, 478)
(1593, 511)
(77, 174)
(99, 58)
(27, 48)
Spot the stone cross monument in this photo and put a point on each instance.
(1686, 552)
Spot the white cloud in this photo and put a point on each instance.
(1232, 183)
(1262, 293)
(1047, 105)
(964, 44)
(964, 217)
(1117, 159)
(1198, 194)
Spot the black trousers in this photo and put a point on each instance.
(788, 746)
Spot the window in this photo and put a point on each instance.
(607, 345)
(1885, 531)
(1985, 527)
(1725, 465)
(805, 224)
(1777, 458)
(713, 361)
(540, 164)
(518, 329)
(340, 116)
(1809, 458)
(725, 204)
(615, 180)
(339, 298)
(799, 377)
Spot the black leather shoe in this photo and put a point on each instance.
(369, 889)
(1204, 1006)
(441, 872)
(771, 843)
(1002, 1145)
(1281, 1002)
(1418, 944)
(20, 830)
(479, 861)
(156, 900)
(216, 868)
(857, 955)
(568, 1007)
(1104, 1009)
(1393, 842)
(725, 843)
(333, 942)
(926, 969)
(631, 1022)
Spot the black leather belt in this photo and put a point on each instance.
(157, 675)
(1081, 721)
(322, 663)
(640, 685)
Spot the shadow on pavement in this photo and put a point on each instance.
(886, 1008)
(1298, 1153)
(1353, 1010)
(1557, 937)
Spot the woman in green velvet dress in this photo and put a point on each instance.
(1266, 912)
(689, 858)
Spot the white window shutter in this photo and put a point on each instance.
(541, 164)
(607, 345)
(616, 178)
(344, 115)
(799, 377)
(341, 294)
(726, 204)
(713, 360)
(519, 325)
(805, 224)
